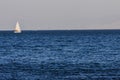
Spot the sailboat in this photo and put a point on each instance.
(17, 28)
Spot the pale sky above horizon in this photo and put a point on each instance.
(60, 14)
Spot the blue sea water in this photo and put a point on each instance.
(60, 55)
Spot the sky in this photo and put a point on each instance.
(60, 14)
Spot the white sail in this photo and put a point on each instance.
(17, 28)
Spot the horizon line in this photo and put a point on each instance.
(59, 29)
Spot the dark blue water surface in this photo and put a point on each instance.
(60, 55)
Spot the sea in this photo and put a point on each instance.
(60, 55)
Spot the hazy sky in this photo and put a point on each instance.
(60, 14)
